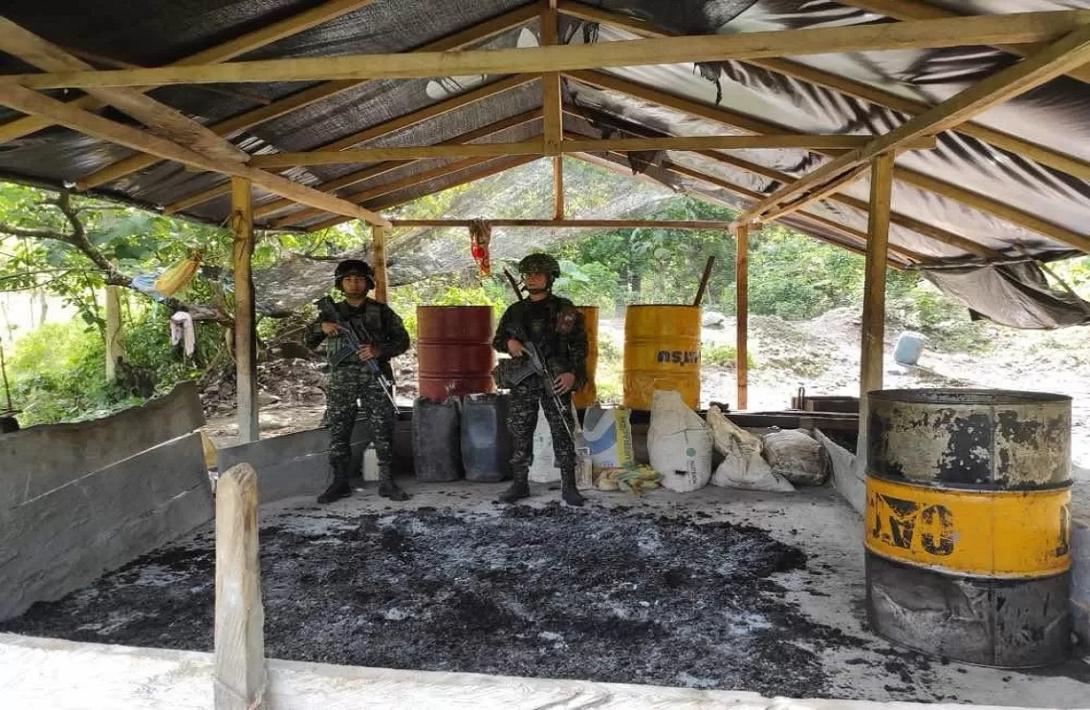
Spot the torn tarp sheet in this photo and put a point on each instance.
(1015, 294)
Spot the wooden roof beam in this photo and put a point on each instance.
(1071, 51)
(731, 142)
(959, 31)
(494, 168)
(33, 103)
(951, 191)
(1026, 149)
(383, 168)
(567, 223)
(160, 118)
(377, 131)
(306, 97)
(220, 53)
(917, 10)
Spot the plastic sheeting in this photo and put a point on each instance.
(1055, 115)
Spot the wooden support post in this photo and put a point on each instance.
(741, 309)
(239, 637)
(114, 348)
(874, 295)
(242, 225)
(378, 255)
(551, 100)
(558, 187)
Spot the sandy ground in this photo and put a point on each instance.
(837, 656)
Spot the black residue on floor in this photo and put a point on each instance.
(548, 592)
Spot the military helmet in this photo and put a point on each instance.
(539, 264)
(356, 267)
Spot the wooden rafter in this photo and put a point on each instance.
(923, 228)
(220, 53)
(1026, 149)
(957, 193)
(1073, 50)
(161, 119)
(919, 10)
(551, 99)
(960, 31)
(386, 167)
(540, 147)
(568, 223)
(377, 131)
(495, 167)
(33, 103)
(309, 96)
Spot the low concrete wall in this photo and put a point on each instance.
(297, 464)
(79, 499)
(42, 458)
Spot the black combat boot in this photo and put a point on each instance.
(568, 491)
(519, 488)
(386, 486)
(339, 488)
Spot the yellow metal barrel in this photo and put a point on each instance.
(661, 351)
(967, 523)
(588, 393)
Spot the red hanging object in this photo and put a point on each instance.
(480, 234)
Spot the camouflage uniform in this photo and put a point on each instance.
(556, 329)
(352, 379)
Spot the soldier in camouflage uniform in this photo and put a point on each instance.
(352, 378)
(556, 329)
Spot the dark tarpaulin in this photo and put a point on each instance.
(1016, 294)
(1055, 115)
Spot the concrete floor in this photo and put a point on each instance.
(830, 591)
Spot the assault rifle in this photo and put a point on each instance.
(328, 311)
(533, 364)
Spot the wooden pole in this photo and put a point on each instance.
(114, 348)
(704, 281)
(378, 255)
(4, 374)
(240, 636)
(558, 187)
(741, 308)
(874, 296)
(874, 288)
(242, 251)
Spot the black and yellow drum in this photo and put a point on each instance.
(967, 523)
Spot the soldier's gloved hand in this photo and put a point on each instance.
(514, 346)
(563, 382)
(330, 328)
(367, 352)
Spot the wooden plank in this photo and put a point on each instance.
(622, 145)
(1067, 52)
(306, 97)
(568, 223)
(160, 118)
(378, 256)
(748, 123)
(385, 167)
(240, 676)
(551, 98)
(874, 289)
(220, 53)
(960, 31)
(795, 205)
(79, 120)
(242, 250)
(558, 187)
(741, 308)
(918, 10)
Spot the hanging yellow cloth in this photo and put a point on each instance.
(177, 277)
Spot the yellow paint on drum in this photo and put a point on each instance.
(991, 533)
(661, 351)
(588, 393)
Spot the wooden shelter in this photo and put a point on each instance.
(911, 131)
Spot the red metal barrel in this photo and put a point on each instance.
(454, 350)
